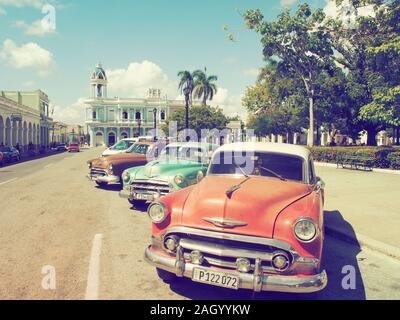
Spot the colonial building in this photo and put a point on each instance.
(111, 119)
(24, 118)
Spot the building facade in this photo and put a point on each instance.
(111, 119)
(24, 118)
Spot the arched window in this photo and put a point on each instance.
(162, 115)
(125, 115)
(94, 115)
(138, 116)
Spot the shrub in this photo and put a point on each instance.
(394, 160)
(380, 155)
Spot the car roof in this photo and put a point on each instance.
(144, 142)
(193, 145)
(284, 148)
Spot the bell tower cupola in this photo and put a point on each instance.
(98, 83)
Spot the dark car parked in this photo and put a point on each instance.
(60, 147)
(10, 154)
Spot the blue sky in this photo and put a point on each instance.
(140, 43)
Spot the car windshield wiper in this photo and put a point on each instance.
(274, 173)
(232, 189)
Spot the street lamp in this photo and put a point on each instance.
(155, 122)
(139, 121)
(187, 90)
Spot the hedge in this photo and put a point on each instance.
(384, 157)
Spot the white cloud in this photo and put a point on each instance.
(346, 11)
(230, 104)
(38, 4)
(72, 114)
(252, 72)
(287, 3)
(137, 78)
(34, 29)
(29, 55)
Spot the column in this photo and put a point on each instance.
(91, 134)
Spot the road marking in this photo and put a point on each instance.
(8, 181)
(92, 287)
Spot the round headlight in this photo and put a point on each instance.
(89, 165)
(171, 243)
(243, 265)
(125, 176)
(280, 261)
(157, 212)
(179, 179)
(200, 176)
(305, 229)
(110, 168)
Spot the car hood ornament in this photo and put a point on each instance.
(225, 222)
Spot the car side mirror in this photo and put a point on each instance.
(319, 184)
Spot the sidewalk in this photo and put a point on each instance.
(363, 207)
(25, 158)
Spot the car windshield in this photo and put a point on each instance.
(185, 153)
(122, 145)
(74, 145)
(5, 149)
(258, 164)
(138, 148)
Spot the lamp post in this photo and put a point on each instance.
(139, 121)
(155, 123)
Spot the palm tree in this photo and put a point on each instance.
(186, 85)
(204, 88)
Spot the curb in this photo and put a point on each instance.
(366, 242)
(377, 170)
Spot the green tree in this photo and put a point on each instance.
(275, 103)
(186, 78)
(204, 86)
(201, 117)
(369, 52)
(298, 42)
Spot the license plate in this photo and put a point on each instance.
(143, 196)
(221, 279)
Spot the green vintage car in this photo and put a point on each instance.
(179, 165)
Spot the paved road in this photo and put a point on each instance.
(53, 216)
(368, 201)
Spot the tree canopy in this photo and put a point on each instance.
(348, 72)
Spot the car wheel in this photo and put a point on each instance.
(166, 276)
(101, 184)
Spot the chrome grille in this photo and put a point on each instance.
(151, 186)
(224, 252)
(98, 172)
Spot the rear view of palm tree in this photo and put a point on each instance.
(204, 86)
(186, 85)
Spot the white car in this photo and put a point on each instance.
(120, 147)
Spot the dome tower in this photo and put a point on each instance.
(98, 83)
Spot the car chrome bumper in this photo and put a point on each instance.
(106, 178)
(256, 282)
(125, 194)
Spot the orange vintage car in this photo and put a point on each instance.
(255, 221)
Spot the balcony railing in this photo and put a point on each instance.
(123, 122)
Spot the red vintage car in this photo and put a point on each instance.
(73, 147)
(254, 222)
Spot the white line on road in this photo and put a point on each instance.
(92, 287)
(8, 181)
